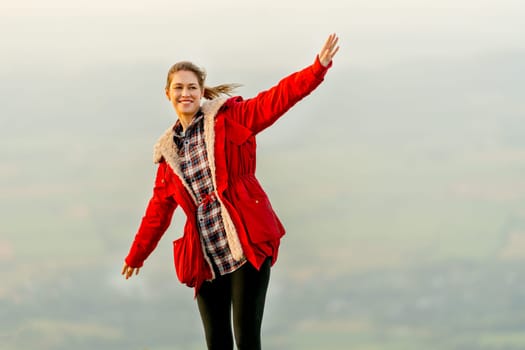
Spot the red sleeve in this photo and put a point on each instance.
(155, 222)
(260, 112)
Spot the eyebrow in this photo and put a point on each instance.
(190, 84)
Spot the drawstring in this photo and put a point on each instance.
(210, 197)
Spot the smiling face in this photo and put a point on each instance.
(185, 93)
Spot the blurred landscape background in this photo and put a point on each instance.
(400, 180)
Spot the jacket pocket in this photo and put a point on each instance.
(237, 133)
(182, 252)
(260, 220)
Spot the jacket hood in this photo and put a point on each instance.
(165, 145)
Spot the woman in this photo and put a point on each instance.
(206, 165)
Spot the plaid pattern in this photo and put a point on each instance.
(195, 168)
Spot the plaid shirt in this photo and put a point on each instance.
(196, 171)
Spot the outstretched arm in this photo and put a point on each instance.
(263, 110)
(154, 223)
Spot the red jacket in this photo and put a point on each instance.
(252, 227)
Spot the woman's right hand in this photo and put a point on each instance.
(127, 271)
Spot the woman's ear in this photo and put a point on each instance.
(167, 91)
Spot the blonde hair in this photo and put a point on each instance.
(209, 92)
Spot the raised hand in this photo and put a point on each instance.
(329, 50)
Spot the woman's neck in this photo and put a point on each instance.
(185, 120)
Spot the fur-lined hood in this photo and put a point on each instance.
(165, 146)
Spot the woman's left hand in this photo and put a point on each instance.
(127, 271)
(329, 50)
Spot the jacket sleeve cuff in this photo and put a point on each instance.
(318, 69)
(133, 261)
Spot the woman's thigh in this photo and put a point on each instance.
(248, 293)
(214, 301)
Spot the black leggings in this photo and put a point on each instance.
(244, 292)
